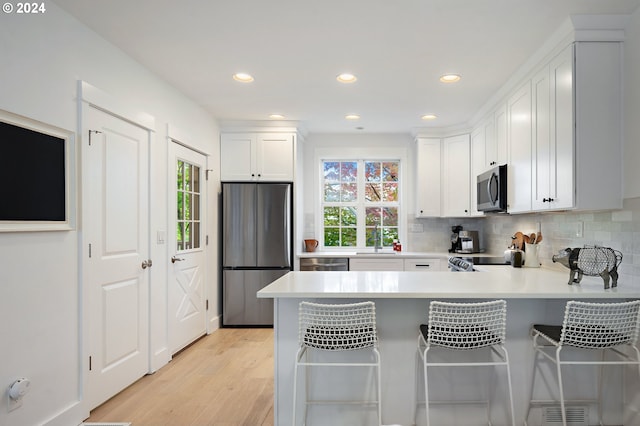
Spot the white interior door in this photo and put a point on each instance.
(187, 293)
(115, 223)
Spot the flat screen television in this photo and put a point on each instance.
(34, 175)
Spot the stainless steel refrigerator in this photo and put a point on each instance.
(256, 248)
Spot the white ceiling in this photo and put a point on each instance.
(296, 48)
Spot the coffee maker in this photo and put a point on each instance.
(456, 242)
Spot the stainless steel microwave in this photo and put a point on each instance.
(492, 190)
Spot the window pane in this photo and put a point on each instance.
(331, 237)
(180, 235)
(196, 179)
(180, 212)
(371, 237)
(372, 216)
(349, 171)
(196, 207)
(332, 192)
(187, 206)
(390, 191)
(348, 217)
(349, 192)
(349, 237)
(196, 235)
(331, 216)
(332, 170)
(388, 235)
(389, 216)
(187, 177)
(180, 174)
(390, 171)
(372, 171)
(372, 192)
(187, 235)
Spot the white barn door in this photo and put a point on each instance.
(116, 227)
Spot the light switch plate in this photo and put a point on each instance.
(579, 233)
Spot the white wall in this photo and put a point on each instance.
(43, 57)
(632, 107)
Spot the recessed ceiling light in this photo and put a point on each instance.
(352, 117)
(429, 117)
(243, 77)
(450, 78)
(346, 78)
(276, 116)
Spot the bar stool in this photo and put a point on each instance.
(604, 327)
(325, 328)
(464, 327)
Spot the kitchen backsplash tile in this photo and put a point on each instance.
(618, 229)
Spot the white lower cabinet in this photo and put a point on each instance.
(426, 264)
(377, 264)
(394, 264)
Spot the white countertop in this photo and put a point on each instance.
(493, 282)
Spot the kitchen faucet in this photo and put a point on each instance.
(376, 240)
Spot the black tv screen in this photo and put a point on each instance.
(32, 175)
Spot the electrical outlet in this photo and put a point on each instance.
(579, 229)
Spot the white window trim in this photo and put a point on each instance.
(368, 153)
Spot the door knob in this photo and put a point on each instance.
(176, 259)
(147, 264)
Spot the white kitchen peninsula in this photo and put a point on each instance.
(534, 295)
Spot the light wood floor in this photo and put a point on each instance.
(224, 379)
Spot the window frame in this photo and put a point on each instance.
(359, 154)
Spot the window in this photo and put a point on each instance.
(360, 202)
(188, 214)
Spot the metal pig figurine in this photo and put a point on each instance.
(591, 261)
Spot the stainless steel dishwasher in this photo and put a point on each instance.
(324, 264)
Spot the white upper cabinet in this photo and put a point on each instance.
(456, 169)
(553, 153)
(575, 133)
(519, 136)
(499, 140)
(428, 182)
(257, 156)
(478, 164)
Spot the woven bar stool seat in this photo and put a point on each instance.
(611, 328)
(464, 327)
(337, 328)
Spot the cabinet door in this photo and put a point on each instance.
(428, 177)
(500, 135)
(237, 157)
(456, 175)
(478, 164)
(519, 131)
(562, 175)
(430, 265)
(541, 140)
(274, 159)
(368, 264)
(491, 149)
